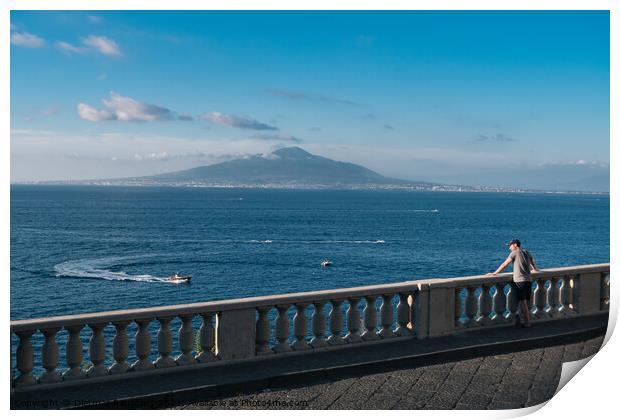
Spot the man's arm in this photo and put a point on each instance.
(533, 263)
(501, 267)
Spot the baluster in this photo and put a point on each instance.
(538, 296)
(499, 303)
(318, 326)
(353, 321)
(546, 301)
(402, 310)
(164, 344)
(120, 348)
(570, 293)
(50, 357)
(143, 346)
(387, 317)
(471, 306)
(551, 305)
(207, 338)
(370, 319)
(512, 304)
(96, 350)
(605, 294)
(557, 303)
(411, 315)
(74, 354)
(25, 360)
(484, 305)
(563, 297)
(263, 331)
(282, 329)
(186, 341)
(459, 307)
(335, 324)
(300, 325)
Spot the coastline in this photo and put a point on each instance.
(350, 187)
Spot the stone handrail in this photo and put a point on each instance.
(218, 305)
(246, 328)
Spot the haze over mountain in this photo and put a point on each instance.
(286, 166)
(293, 167)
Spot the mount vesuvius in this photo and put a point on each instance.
(289, 166)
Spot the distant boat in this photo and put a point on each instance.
(326, 263)
(179, 279)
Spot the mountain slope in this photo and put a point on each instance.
(288, 166)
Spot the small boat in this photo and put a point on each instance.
(179, 279)
(326, 263)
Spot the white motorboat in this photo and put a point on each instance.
(179, 279)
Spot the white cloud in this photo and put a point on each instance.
(280, 137)
(234, 121)
(578, 162)
(70, 48)
(124, 108)
(128, 109)
(102, 44)
(87, 112)
(152, 156)
(28, 40)
(499, 137)
(165, 156)
(91, 43)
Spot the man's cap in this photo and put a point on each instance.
(514, 241)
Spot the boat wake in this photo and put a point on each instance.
(95, 268)
(282, 241)
(317, 241)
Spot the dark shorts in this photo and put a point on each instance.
(523, 289)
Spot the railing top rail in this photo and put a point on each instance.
(282, 299)
(542, 274)
(215, 306)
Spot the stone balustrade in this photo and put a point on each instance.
(289, 324)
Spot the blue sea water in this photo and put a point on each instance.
(77, 249)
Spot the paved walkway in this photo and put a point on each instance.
(510, 380)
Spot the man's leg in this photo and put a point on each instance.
(525, 312)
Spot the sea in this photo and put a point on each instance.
(79, 249)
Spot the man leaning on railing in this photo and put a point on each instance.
(522, 261)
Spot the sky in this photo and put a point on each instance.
(513, 98)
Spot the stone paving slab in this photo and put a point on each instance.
(503, 381)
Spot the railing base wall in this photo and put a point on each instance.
(203, 379)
